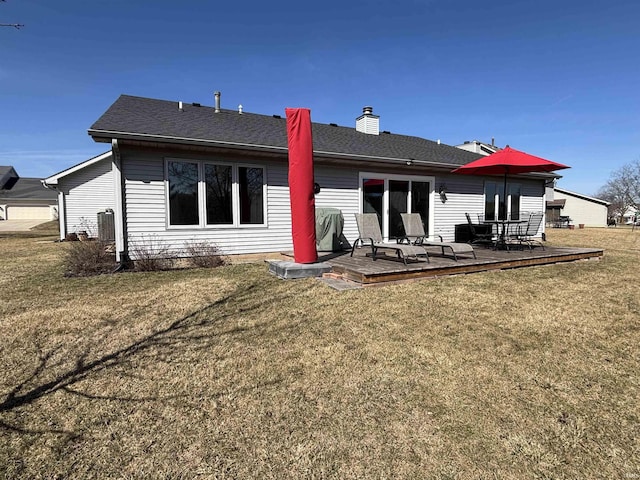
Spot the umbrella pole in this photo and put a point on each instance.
(505, 195)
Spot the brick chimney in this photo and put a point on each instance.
(368, 122)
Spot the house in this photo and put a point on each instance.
(630, 216)
(478, 147)
(581, 209)
(25, 198)
(83, 191)
(179, 172)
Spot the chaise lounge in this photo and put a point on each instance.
(415, 234)
(370, 234)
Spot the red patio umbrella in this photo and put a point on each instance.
(508, 161)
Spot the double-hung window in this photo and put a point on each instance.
(211, 194)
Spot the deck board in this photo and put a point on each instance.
(363, 269)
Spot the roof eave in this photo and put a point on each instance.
(107, 135)
(53, 179)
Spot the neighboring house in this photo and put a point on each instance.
(184, 172)
(25, 198)
(582, 209)
(83, 191)
(630, 216)
(476, 146)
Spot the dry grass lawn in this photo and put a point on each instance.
(232, 373)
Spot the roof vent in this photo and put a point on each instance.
(368, 122)
(216, 96)
(333, 124)
(195, 104)
(240, 109)
(277, 116)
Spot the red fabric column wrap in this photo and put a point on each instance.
(303, 212)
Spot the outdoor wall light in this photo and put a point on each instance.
(443, 192)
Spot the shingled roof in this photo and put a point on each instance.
(161, 120)
(27, 189)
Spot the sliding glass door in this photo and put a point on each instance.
(389, 196)
(398, 203)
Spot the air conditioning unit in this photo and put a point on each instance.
(106, 226)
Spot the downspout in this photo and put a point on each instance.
(116, 167)
(62, 210)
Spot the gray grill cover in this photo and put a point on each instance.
(329, 224)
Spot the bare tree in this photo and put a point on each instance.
(622, 189)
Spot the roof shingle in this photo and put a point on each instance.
(163, 120)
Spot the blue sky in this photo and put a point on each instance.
(558, 79)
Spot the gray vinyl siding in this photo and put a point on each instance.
(87, 192)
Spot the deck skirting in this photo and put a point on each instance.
(361, 268)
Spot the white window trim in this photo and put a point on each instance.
(202, 190)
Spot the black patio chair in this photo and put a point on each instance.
(530, 230)
(477, 237)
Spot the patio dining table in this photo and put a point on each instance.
(501, 241)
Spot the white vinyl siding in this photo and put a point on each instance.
(339, 189)
(146, 204)
(465, 194)
(87, 192)
(146, 214)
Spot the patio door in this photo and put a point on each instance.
(391, 195)
(398, 203)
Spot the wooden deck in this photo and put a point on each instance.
(361, 268)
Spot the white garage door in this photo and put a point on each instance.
(31, 212)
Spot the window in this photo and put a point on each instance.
(514, 201)
(207, 194)
(251, 181)
(490, 201)
(218, 181)
(183, 193)
(495, 206)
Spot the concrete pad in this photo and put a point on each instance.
(340, 284)
(292, 270)
(19, 225)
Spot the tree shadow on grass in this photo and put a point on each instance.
(186, 331)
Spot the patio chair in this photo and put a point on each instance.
(369, 234)
(414, 233)
(530, 230)
(479, 237)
